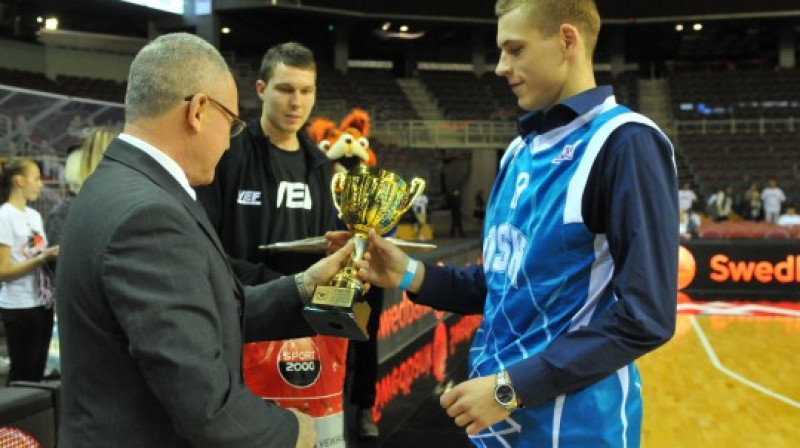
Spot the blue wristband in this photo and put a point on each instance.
(408, 277)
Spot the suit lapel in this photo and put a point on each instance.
(138, 160)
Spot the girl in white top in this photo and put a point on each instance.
(25, 296)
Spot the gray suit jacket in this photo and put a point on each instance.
(152, 320)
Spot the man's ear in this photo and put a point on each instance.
(261, 88)
(571, 40)
(198, 106)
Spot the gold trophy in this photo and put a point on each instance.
(366, 199)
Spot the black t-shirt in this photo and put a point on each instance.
(260, 195)
(294, 203)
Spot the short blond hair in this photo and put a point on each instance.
(82, 163)
(549, 15)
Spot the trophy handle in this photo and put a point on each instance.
(337, 186)
(417, 187)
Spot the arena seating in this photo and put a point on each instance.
(378, 92)
(460, 95)
(101, 89)
(27, 80)
(465, 96)
(720, 160)
(735, 93)
(94, 88)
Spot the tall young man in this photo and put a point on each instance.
(274, 185)
(580, 250)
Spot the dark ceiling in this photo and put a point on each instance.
(738, 30)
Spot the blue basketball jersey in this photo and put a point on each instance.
(548, 274)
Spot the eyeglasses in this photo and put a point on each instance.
(237, 124)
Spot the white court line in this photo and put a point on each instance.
(726, 308)
(716, 362)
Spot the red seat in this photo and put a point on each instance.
(774, 234)
(712, 232)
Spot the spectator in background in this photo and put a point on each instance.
(773, 197)
(751, 205)
(480, 206)
(689, 223)
(720, 204)
(454, 200)
(26, 299)
(79, 165)
(790, 218)
(420, 210)
(75, 128)
(43, 153)
(22, 135)
(686, 196)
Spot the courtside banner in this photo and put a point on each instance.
(415, 344)
(733, 269)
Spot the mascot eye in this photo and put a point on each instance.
(324, 145)
(363, 142)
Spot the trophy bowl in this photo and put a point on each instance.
(365, 199)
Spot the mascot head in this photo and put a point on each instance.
(347, 146)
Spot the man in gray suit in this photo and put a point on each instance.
(152, 319)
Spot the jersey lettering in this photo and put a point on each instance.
(504, 250)
(294, 194)
(249, 197)
(522, 183)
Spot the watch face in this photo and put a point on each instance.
(505, 394)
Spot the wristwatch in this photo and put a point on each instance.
(504, 392)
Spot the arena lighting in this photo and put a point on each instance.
(173, 6)
(697, 26)
(402, 32)
(225, 30)
(51, 23)
(679, 27)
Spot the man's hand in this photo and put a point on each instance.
(306, 435)
(336, 239)
(387, 264)
(472, 404)
(321, 272)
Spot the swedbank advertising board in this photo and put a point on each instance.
(744, 268)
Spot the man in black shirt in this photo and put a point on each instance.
(273, 185)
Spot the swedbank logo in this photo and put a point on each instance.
(724, 269)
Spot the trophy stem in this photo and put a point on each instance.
(360, 241)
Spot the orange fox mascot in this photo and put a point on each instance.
(348, 144)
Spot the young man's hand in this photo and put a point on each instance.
(472, 404)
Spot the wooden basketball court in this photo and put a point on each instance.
(730, 378)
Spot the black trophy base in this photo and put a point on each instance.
(343, 322)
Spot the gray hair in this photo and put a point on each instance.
(167, 70)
